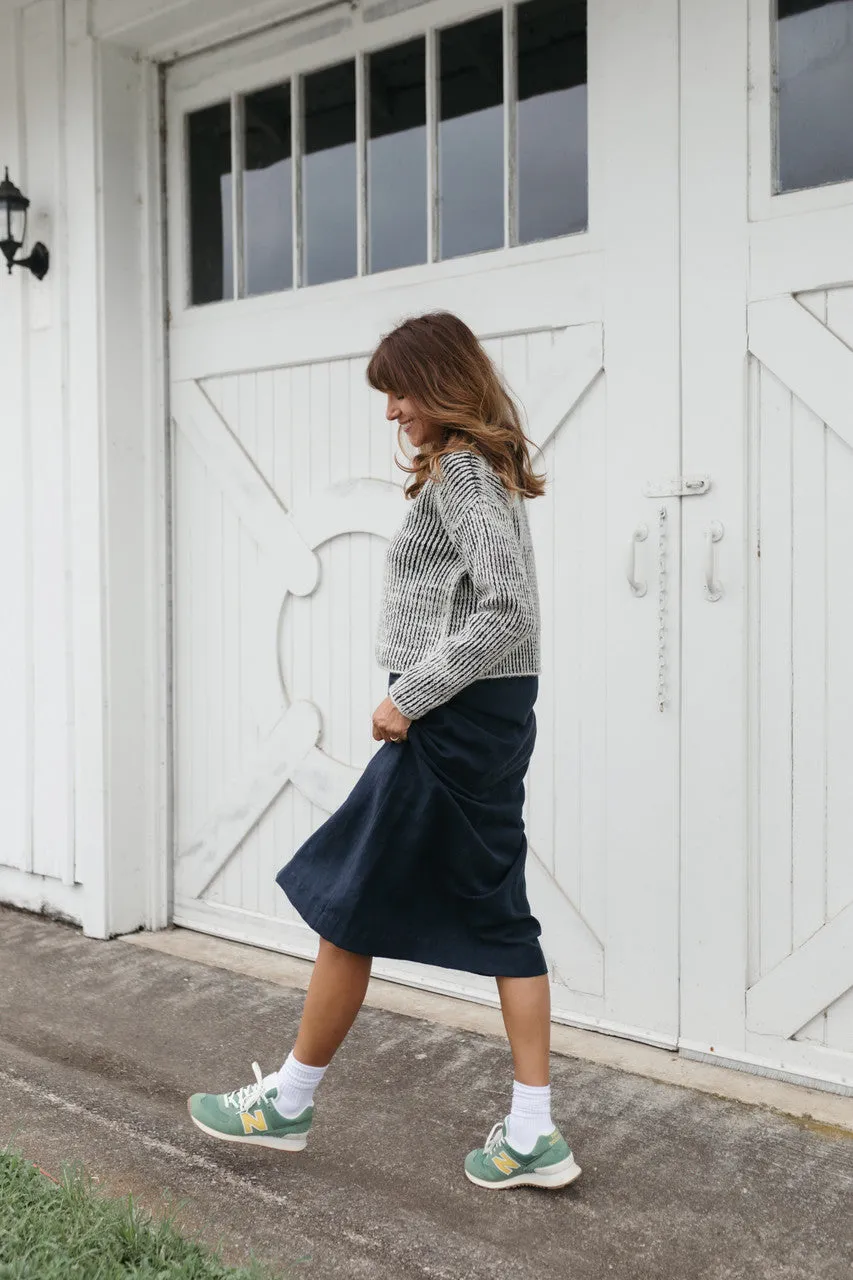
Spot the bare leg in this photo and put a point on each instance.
(526, 1009)
(335, 994)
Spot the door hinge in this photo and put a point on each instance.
(681, 487)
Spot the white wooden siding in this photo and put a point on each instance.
(36, 795)
(82, 496)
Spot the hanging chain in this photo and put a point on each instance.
(662, 607)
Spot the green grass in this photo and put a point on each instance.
(69, 1231)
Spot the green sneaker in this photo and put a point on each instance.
(550, 1163)
(248, 1115)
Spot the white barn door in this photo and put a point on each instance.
(285, 492)
(768, 716)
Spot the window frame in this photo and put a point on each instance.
(254, 63)
(765, 199)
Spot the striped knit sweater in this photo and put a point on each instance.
(460, 596)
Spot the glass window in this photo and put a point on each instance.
(552, 119)
(814, 71)
(210, 204)
(267, 191)
(471, 136)
(397, 156)
(329, 181)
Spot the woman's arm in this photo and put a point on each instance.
(475, 512)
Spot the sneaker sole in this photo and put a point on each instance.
(293, 1142)
(556, 1176)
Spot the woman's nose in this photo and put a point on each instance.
(391, 410)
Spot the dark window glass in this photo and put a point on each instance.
(814, 92)
(267, 191)
(552, 119)
(329, 192)
(397, 157)
(471, 136)
(210, 197)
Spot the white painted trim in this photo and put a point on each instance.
(807, 357)
(797, 254)
(299, 47)
(162, 30)
(118, 484)
(42, 894)
(157, 504)
(764, 201)
(809, 980)
(86, 493)
(329, 322)
(833, 1076)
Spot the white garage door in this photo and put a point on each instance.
(767, 958)
(517, 164)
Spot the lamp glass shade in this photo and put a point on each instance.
(13, 212)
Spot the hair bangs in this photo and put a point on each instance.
(385, 373)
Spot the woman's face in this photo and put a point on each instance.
(404, 411)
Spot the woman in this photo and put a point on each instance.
(424, 860)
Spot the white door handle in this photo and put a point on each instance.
(714, 532)
(640, 534)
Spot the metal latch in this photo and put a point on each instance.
(682, 487)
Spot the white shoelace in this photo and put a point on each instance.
(250, 1094)
(495, 1138)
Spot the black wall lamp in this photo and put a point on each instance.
(13, 221)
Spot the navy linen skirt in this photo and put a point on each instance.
(424, 860)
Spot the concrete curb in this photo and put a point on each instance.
(813, 1107)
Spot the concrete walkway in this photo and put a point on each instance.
(100, 1043)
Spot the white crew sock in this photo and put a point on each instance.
(296, 1085)
(530, 1118)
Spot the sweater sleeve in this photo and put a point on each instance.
(475, 513)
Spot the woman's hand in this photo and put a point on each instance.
(389, 723)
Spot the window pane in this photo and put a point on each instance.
(267, 191)
(552, 105)
(329, 191)
(210, 196)
(397, 157)
(471, 136)
(815, 92)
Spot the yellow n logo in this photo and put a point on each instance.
(505, 1163)
(253, 1122)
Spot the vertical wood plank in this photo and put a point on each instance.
(366, 681)
(839, 706)
(182, 577)
(839, 689)
(808, 652)
(298, 621)
(15, 490)
(592, 699)
(281, 840)
(566, 559)
(42, 70)
(346, 647)
(227, 886)
(775, 870)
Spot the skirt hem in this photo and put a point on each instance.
(496, 962)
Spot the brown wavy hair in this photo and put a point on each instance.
(437, 362)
